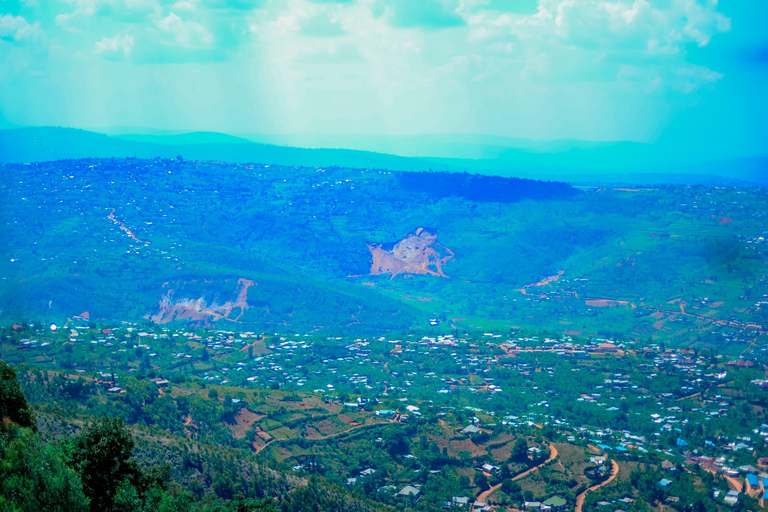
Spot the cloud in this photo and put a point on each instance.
(235, 5)
(602, 37)
(125, 11)
(17, 29)
(684, 79)
(322, 26)
(187, 34)
(426, 14)
(609, 25)
(115, 46)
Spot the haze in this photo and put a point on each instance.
(688, 73)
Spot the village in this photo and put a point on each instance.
(622, 403)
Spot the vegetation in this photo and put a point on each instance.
(276, 249)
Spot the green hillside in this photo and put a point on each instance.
(304, 249)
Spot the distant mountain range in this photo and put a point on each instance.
(579, 162)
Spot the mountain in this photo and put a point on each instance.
(48, 144)
(574, 161)
(184, 139)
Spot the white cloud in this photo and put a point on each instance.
(605, 35)
(119, 10)
(613, 25)
(184, 5)
(16, 28)
(189, 34)
(115, 46)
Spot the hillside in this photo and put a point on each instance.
(305, 249)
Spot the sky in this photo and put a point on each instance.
(684, 72)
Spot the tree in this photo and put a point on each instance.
(520, 451)
(102, 454)
(13, 403)
(34, 477)
(481, 480)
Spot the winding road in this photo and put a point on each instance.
(614, 473)
(483, 496)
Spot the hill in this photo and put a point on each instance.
(295, 249)
(582, 162)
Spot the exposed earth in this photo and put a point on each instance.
(199, 309)
(417, 253)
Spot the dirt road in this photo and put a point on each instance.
(614, 473)
(483, 496)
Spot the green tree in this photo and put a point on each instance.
(520, 452)
(33, 477)
(481, 480)
(13, 403)
(102, 454)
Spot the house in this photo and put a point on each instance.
(470, 429)
(667, 466)
(409, 491)
(367, 472)
(488, 468)
(748, 468)
(457, 501)
(555, 503)
(532, 505)
(481, 506)
(731, 498)
(351, 481)
(161, 383)
(665, 482)
(753, 481)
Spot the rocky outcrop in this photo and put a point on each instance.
(417, 253)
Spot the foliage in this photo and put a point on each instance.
(13, 403)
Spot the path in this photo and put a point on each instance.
(124, 227)
(614, 473)
(483, 496)
(329, 436)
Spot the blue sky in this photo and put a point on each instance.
(687, 72)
